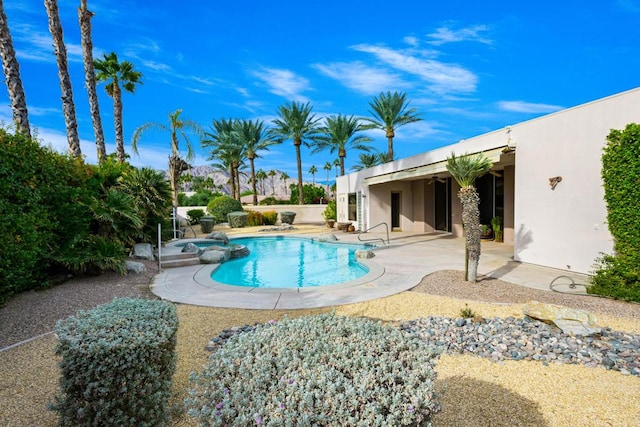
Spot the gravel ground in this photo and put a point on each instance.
(474, 391)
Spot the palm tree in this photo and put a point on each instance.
(271, 174)
(296, 122)
(390, 111)
(284, 177)
(341, 134)
(116, 74)
(226, 147)
(328, 166)
(465, 169)
(253, 136)
(261, 175)
(313, 170)
(84, 17)
(177, 128)
(367, 160)
(12, 76)
(68, 107)
(336, 163)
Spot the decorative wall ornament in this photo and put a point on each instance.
(553, 181)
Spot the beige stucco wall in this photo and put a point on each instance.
(566, 228)
(563, 228)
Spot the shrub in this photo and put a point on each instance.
(319, 370)
(237, 219)
(467, 312)
(269, 217)
(43, 205)
(272, 201)
(117, 363)
(221, 206)
(330, 211)
(254, 218)
(194, 215)
(618, 276)
(310, 193)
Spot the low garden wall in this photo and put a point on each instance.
(305, 214)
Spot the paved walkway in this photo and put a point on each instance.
(395, 268)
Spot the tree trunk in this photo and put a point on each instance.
(12, 77)
(253, 182)
(390, 135)
(297, 144)
(84, 18)
(117, 120)
(68, 107)
(232, 182)
(471, 223)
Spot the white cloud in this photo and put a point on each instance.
(361, 77)
(527, 107)
(411, 41)
(35, 45)
(284, 83)
(442, 77)
(444, 35)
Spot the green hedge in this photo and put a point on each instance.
(117, 363)
(618, 275)
(222, 206)
(41, 206)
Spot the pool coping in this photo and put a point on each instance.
(203, 276)
(404, 261)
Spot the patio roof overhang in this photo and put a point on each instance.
(427, 171)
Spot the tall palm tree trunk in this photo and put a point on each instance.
(117, 121)
(253, 182)
(232, 181)
(297, 143)
(84, 18)
(471, 223)
(12, 77)
(390, 136)
(236, 170)
(68, 107)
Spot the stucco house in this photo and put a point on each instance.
(545, 183)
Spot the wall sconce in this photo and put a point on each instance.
(553, 181)
(364, 196)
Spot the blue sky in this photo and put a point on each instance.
(469, 68)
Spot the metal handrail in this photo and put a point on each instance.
(386, 226)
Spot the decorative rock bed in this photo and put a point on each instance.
(513, 339)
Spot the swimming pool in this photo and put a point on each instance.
(291, 262)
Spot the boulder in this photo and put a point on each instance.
(327, 237)
(364, 254)
(224, 249)
(143, 251)
(213, 257)
(570, 320)
(135, 267)
(218, 235)
(192, 248)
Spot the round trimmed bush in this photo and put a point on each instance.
(318, 370)
(222, 206)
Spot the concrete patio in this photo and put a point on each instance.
(395, 268)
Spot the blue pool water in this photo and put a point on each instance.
(289, 262)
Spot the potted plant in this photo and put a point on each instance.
(487, 233)
(330, 214)
(496, 225)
